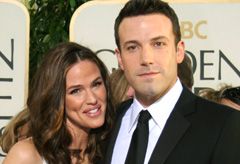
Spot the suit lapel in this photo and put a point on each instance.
(174, 129)
(120, 113)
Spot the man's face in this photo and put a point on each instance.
(148, 55)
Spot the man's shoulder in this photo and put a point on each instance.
(216, 112)
(214, 105)
(192, 103)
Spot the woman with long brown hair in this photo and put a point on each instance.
(70, 109)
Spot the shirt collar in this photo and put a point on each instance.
(159, 110)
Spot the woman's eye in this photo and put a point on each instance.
(74, 91)
(97, 83)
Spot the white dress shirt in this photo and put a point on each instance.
(160, 111)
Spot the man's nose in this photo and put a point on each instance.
(146, 56)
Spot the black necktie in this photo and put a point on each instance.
(138, 146)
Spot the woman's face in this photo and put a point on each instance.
(86, 96)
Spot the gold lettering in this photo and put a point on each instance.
(186, 29)
(189, 30)
(197, 31)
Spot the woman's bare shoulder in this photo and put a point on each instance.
(23, 152)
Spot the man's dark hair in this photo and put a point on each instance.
(145, 7)
(185, 72)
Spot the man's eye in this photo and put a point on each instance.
(159, 44)
(131, 48)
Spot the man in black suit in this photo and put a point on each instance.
(183, 128)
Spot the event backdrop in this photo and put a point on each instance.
(211, 32)
(14, 47)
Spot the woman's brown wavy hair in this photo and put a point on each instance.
(46, 103)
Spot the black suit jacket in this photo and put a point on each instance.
(197, 132)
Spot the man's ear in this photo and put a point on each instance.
(180, 51)
(119, 58)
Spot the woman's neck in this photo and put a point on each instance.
(79, 136)
(79, 143)
(79, 140)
